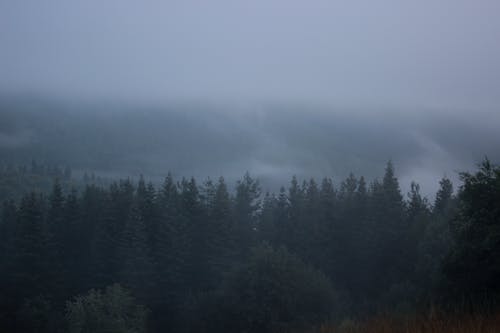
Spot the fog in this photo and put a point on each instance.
(356, 53)
(277, 88)
(253, 166)
(273, 142)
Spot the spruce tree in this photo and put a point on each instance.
(221, 237)
(472, 268)
(136, 269)
(246, 208)
(29, 271)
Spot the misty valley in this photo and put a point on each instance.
(263, 166)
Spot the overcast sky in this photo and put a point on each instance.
(419, 82)
(437, 54)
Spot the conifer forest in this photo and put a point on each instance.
(185, 256)
(263, 166)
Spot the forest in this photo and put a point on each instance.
(88, 255)
(323, 166)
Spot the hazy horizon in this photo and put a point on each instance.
(315, 88)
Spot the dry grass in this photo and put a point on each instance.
(430, 324)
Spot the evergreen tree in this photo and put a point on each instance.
(8, 226)
(136, 269)
(391, 230)
(246, 209)
(444, 198)
(146, 208)
(281, 219)
(267, 228)
(106, 260)
(220, 237)
(328, 218)
(28, 272)
(473, 267)
(295, 213)
(58, 232)
(191, 212)
(435, 243)
(93, 201)
(169, 256)
(74, 246)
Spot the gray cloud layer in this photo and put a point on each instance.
(272, 142)
(276, 87)
(441, 54)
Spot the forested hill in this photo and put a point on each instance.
(21, 179)
(272, 141)
(204, 258)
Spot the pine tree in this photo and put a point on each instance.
(93, 201)
(444, 197)
(169, 255)
(8, 298)
(136, 269)
(296, 212)
(7, 227)
(246, 209)
(310, 223)
(435, 242)
(267, 228)
(74, 244)
(391, 230)
(58, 233)
(195, 230)
(146, 207)
(105, 244)
(418, 215)
(281, 218)
(364, 245)
(220, 237)
(472, 268)
(29, 273)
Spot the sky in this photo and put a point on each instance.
(388, 53)
(356, 83)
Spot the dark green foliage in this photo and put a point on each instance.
(443, 197)
(273, 291)
(31, 257)
(246, 205)
(26, 262)
(16, 181)
(435, 243)
(184, 251)
(419, 217)
(37, 314)
(111, 311)
(388, 217)
(220, 237)
(73, 244)
(105, 244)
(134, 251)
(472, 269)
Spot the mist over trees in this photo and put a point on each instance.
(272, 141)
(205, 257)
(249, 166)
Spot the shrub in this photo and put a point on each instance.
(273, 291)
(111, 311)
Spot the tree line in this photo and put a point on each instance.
(192, 257)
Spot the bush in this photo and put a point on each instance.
(274, 291)
(39, 315)
(113, 311)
